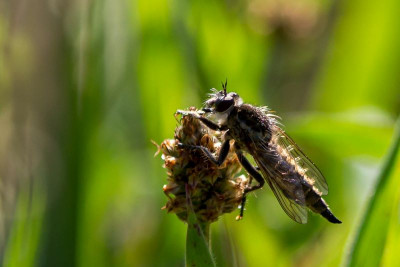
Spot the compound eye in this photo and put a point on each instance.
(224, 105)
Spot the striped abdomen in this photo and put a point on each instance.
(297, 186)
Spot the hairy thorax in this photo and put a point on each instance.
(248, 126)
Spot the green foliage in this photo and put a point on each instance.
(374, 232)
(85, 86)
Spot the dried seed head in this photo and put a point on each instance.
(213, 190)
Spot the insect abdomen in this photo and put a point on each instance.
(318, 205)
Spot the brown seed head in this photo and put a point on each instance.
(213, 190)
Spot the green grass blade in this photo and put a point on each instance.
(198, 251)
(370, 240)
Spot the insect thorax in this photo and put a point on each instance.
(247, 124)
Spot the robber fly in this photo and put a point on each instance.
(296, 182)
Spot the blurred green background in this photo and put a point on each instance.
(85, 85)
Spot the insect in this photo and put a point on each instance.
(296, 182)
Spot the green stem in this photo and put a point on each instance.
(198, 252)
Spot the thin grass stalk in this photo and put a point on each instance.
(381, 184)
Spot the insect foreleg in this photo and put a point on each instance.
(212, 125)
(223, 153)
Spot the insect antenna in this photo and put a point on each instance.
(224, 85)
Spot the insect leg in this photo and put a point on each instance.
(223, 153)
(252, 171)
(255, 174)
(242, 204)
(212, 125)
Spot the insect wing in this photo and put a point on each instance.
(296, 211)
(302, 161)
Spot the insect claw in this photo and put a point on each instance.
(238, 218)
(184, 113)
(181, 112)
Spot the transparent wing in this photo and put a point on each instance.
(295, 209)
(284, 141)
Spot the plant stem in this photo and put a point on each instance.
(198, 252)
